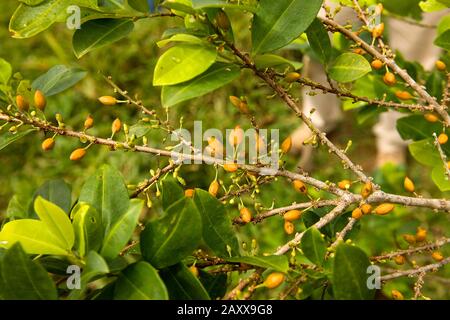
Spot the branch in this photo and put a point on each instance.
(341, 235)
(146, 184)
(442, 156)
(424, 269)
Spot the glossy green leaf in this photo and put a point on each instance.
(87, 225)
(140, 5)
(214, 284)
(107, 193)
(57, 222)
(279, 263)
(268, 60)
(200, 4)
(349, 67)
(120, 233)
(443, 40)
(320, 41)
(218, 232)
(33, 235)
(140, 281)
(440, 178)
(181, 37)
(58, 79)
(18, 207)
(432, 5)
(171, 193)
(5, 71)
(97, 33)
(166, 241)
(215, 77)
(313, 246)
(350, 275)
(182, 284)
(56, 191)
(24, 279)
(182, 63)
(416, 128)
(277, 23)
(425, 152)
(6, 138)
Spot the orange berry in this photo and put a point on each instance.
(22, 104)
(116, 126)
(442, 138)
(440, 65)
(215, 147)
(236, 136)
(366, 208)
(108, 100)
(437, 256)
(357, 214)
(230, 167)
(421, 234)
(411, 239)
(378, 30)
(292, 215)
(430, 117)
(48, 144)
(235, 101)
(77, 154)
(403, 95)
(377, 64)
(39, 100)
(274, 280)
(384, 209)
(344, 184)
(214, 188)
(286, 145)
(408, 184)
(399, 260)
(89, 122)
(389, 78)
(289, 227)
(194, 271)
(292, 77)
(246, 215)
(189, 193)
(366, 190)
(300, 186)
(397, 295)
(359, 51)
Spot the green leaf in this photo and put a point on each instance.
(121, 232)
(58, 79)
(33, 235)
(218, 232)
(24, 279)
(140, 281)
(56, 191)
(416, 128)
(97, 33)
(215, 77)
(350, 274)
(443, 40)
(57, 222)
(320, 41)
(268, 60)
(7, 138)
(5, 71)
(171, 193)
(439, 176)
(139, 5)
(18, 207)
(432, 5)
(279, 263)
(181, 37)
(182, 63)
(107, 193)
(182, 284)
(200, 4)
(95, 267)
(214, 284)
(168, 240)
(278, 23)
(425, 152)
(87, 225)
(313, 246)
(349, 67)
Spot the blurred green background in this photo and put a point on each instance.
(130, 62)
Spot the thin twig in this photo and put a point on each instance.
(442, 156)
(407, 273)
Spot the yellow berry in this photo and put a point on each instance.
(274, 280)
(437, 256)
(289, 227)
(399, 260)
(22, 104)
(286, 145)
(292, 77)
(116, 126)
(189, 193)
(292, 215)
(366, 208)
(440, 65)
(421, 234)
(108, 100)
(411, 239)
(408, 184)
(384, 208)
(377, 64)
(430, 117)
(378, 30)
(389, 79)
(236, 136)
(48, 144)
(89, 122)
(442, 138)
(77, 154)
(230, 167)
(300, 186)
(357, 214)
(39, 100)
(246, 215)
(397, 295)
(194, 271)
(366, 190)
(403, 95)
(214, 188)
(344, 184)
(215, 147)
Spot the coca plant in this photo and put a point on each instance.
(163, 240)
